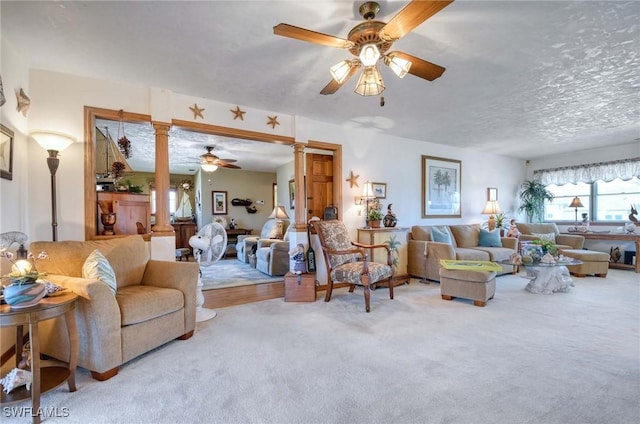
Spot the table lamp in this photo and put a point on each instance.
(491, 208)
(279, 214)
(576, 203)
(367, 195)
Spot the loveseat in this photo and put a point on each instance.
(153, 301)
(462, 242)
(535, 231)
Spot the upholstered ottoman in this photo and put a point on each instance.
(478, 286)
(596, 263)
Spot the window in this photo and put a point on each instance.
(605, 202)
(173, 200)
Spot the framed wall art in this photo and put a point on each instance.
(292, 194)
(492, 193)
(380, 190)
(441, 187)
(6, 153)
(219, 202)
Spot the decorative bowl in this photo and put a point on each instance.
(24, 295)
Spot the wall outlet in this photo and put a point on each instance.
(260, 202)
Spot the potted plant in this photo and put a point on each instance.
(532, 196)
(501, 220)
(374, 216)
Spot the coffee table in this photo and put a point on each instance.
(547, 278)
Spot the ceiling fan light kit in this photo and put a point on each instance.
(370, 41)
(370, 83)
(210, 162)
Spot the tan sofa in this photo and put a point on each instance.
(424, 254)
(154, 302)
(563, 241)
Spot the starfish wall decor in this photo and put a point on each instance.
(197, 112)
(238, 113)
(23, 102)
(273, 121)
(353, 180)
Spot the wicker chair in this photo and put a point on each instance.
(347, 261)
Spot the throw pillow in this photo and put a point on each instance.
(97, 267)
(440, 234)
(545, 237)
(490, 238)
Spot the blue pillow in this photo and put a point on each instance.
(440, 235)
(490, 238)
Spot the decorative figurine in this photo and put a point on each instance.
(232, 224)
(297, 254)
(513, 229)
(390, 219)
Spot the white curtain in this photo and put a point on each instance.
(605, 171)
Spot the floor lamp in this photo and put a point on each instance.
(576, 203)
(53, 143)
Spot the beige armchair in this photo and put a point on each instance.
(154, 302)
(248, 243)
(272, 255)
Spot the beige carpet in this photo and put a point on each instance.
(524, 358)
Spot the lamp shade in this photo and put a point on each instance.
(278, 213)
(370, 83)
(207, 167)
(339, 71)
(367, 191)
(50, 140)
(491, 208)
(576, 203)
(399, 66)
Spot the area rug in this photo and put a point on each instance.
(232, 273)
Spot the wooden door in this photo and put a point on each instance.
(319, 180)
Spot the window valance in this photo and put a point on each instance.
(624, 169)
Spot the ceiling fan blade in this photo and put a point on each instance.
(286, 30)
(334, 85)
(228, 160)
(421, 68)
(410, 17)
(228, 165)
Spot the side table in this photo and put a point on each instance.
(45, 378)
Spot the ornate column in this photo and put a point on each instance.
(300, 189)
(162, 226)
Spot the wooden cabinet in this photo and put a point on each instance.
(130, 208)
(184, 231)
(397, 239)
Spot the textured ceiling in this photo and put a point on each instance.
(523, 79)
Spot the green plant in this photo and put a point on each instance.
(375, 212)
(501, 220)
(547, 246)
(133, 188)
(532, 196)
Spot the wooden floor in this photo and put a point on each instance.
(230, 296)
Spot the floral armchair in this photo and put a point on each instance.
(347, 261)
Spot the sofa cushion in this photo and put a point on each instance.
(142, 303)
(97, 267)
(440, 234)
(466, 235)
(545, 236)
(489, 238)
(467, 254)
(496, 254)
(421, 232)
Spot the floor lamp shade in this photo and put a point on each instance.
(53, 142)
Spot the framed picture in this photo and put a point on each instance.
(492, 193)
(6, 153)
(380, 190)
(219, 202)
(292, 194)
(441, 187)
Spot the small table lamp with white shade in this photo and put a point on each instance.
(279, 214)
(491, 208)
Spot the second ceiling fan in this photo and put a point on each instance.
(210, 162)
(369, 41)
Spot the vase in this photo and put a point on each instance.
(24, 295)
(534, 251)
(390, 220)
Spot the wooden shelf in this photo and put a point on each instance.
(50, 378)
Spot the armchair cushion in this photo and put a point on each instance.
(142, 303)
(337, 239)
(352, 272)
(97, 267)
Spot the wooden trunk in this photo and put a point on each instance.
(299, 288)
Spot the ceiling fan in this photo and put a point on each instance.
(369, 41)
(210, 162)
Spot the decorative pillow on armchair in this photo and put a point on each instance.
(545, 237)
